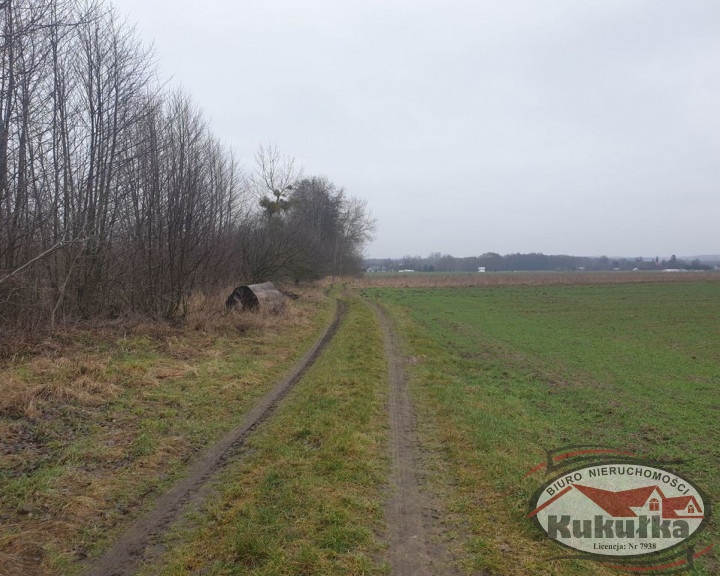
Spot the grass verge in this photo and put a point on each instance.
(307, 496)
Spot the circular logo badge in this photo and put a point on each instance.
(619, 509)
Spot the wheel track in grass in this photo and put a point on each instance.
(136, 544)
(414, 531)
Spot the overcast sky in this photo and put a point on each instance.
(581, 127)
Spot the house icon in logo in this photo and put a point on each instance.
(648, 500)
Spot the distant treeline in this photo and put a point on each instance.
(493, 262)
(116, 197)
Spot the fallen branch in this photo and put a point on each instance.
(59, 246)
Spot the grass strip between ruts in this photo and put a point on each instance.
(307, 498)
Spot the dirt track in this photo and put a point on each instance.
(415, 548)
(133, 546)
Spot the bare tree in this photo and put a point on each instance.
(274, 178)
(114, 194)
(328, 229)
(357, 228)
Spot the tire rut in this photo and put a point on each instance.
(138, 540)
(415, 538)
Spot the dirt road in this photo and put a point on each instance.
(414, 532)
(136, 544)
(415, 548)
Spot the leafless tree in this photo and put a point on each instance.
(113, 195)
(274, 178)
(116, 197)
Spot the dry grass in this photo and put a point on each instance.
(428, 280)
(53, 380)
(204, 313)
(66, 366)
(95, 419)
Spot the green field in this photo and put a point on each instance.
(499, 373)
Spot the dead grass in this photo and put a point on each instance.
(16, 397)
(96, 419)
(204, 313)
(53, 380)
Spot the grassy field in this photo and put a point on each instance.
(497, 373)
(94, 425)
(309, 498)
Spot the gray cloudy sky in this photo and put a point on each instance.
(561, 126)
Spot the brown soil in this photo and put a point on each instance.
(141, 540)
(431, 280)
(414, 519)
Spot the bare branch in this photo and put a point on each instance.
(58, 246)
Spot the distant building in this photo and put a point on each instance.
(406, 270)
(481, 268)
(373, 269)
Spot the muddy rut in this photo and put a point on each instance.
(136, 543)
(415, 547)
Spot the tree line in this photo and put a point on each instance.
(116, 197)
(493, 262)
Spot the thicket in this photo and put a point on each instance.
(115, 196)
